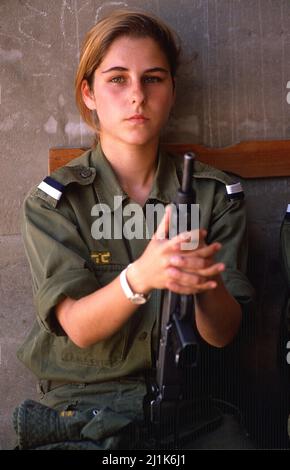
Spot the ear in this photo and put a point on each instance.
(88, 95)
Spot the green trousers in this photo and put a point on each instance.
(111, 416)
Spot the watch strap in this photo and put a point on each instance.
(133, 296)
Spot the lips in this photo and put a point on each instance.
(138, 118)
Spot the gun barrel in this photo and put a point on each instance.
(189, 158)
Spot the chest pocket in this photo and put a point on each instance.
(104, 354)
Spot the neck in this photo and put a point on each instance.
(134, 165)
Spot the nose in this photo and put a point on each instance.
(137, 93)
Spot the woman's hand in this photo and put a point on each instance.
(165, 264)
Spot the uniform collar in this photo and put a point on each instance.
(106, 183)
(165, 183)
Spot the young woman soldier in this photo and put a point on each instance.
(93, 345)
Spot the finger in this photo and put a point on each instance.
(202, 237)
(196, 278)
(163, 228)
(187, 240)
(207, 251)
(196, 235)
(201, 266)
(183, 278)
(212, 271)
(189, 262)
(199, 288)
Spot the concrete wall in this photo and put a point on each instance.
(233, 86)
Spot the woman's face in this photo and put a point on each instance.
(132, 91)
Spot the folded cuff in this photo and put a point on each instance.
(74, 284)
(238, 286)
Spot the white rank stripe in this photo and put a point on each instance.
(288, 208)
(55, 193)
(234, 188)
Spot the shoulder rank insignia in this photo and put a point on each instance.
(235, 191)
(287, 215)
(52, 188)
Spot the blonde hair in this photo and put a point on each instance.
(101, 36)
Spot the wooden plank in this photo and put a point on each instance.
(59, 157)
(252, 159)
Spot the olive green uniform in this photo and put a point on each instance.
(285, 244)
(285, 259)
(66, 260)
(284, 336)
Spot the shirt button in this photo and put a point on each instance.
(143, 336)
(86, 173)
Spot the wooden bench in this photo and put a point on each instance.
(255, 159)
(264, 395)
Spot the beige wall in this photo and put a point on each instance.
(232, 87)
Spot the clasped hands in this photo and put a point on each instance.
(169, 264)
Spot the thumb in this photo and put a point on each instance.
(163, 228)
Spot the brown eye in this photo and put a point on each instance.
(117, 80)
(151, 79)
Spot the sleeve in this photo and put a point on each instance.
(58, 257)
(229, 227)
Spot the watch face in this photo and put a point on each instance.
(138, 299)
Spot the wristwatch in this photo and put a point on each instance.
(134, 297)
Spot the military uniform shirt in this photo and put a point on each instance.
(285, 243)
(65, 260)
